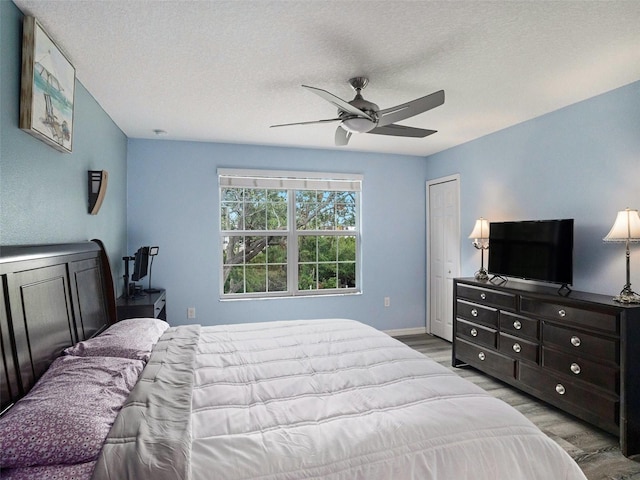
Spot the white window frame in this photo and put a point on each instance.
(291, 181)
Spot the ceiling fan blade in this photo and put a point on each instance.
(342, 137)
(338, 102)
(329, 120)
(410, 109)
(402, 131)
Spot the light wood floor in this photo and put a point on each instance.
(597, 452)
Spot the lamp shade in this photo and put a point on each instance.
(626, 227)
(480, 229)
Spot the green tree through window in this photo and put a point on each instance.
(289, 241)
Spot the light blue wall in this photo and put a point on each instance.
(173, 202)
(580, 162)
(43, 193)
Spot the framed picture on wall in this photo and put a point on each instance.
(47, 88)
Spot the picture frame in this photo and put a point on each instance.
(47, 89)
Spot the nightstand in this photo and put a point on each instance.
(143, 305)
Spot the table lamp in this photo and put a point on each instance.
(626, 229)
(480, 235)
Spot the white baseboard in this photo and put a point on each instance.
(399, 332)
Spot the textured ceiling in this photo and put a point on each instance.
(223, 71)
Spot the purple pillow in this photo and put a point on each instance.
(133, 338)
(67, 415)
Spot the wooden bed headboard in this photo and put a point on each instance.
(51, 297)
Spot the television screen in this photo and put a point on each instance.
(533, 250)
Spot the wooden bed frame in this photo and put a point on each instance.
(51, 297)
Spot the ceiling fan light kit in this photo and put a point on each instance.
(358, 125)
(362, 116)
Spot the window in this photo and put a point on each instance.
(288, 233)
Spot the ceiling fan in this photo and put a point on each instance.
(362, 116)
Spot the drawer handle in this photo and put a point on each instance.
(517, 325)
(575, 341)
(474, 332)
(482, 356)
(562, 312)
(483, 296)
(560, 389)
(575, 368)
(516, 347)
(474, 313)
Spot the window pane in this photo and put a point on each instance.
(277, 276)
(277, 250)
(255, 209)
(233, 250)
(307, 276)
(231, 208)
(255, 250)
(325, 210)
(327, 275)
(306, 216)
(326, 217)
(231, 194)
(307, 249)
(256, 278)
(345, 216)
(326, 261)
(347, 249)
(327, 249)
(231, 216)
(277, 209)
(305, 196)
(234, 279)
(347, 274)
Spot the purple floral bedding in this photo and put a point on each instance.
(133, 338)
(57, 430)
(67, 415)
(79, 471)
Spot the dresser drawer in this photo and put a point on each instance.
(574, 398)
(580, 343)
(588, 318)
(487, 296)
(477, 333)
(159, 306)
(477, 313)
(485, 359)
(519, 326)
(518, 348)
(600, 375)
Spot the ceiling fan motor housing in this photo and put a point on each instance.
(353, 123)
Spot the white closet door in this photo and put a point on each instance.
(443, 254)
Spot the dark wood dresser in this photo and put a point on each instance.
(575, 350)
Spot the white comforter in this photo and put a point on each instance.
(323, 399)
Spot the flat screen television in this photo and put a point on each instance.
(539, 250)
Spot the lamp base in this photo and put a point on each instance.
(481, 274)
(627, 296)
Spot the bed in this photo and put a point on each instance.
(324, 399)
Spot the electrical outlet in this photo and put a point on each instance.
(387, 301)
(191, 312)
